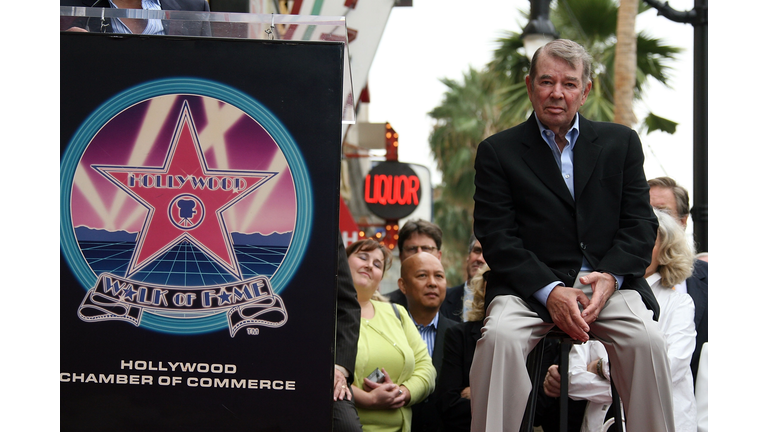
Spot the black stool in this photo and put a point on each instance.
(535, 360)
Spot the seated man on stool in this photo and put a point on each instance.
(562, 210)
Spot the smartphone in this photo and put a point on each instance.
(376, 376)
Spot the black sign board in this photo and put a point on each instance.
(199, 193)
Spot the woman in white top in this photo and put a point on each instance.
(589, 374)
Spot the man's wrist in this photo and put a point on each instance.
(617, 280)
(343, 370)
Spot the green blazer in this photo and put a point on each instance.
(395, 345)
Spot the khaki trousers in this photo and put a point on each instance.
(636, 350)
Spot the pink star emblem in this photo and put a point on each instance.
(185, 199)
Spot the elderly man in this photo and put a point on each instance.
(458, 299)
(422, 281)
(667, 195)
(563, 213)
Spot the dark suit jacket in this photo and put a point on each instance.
(187, 28)
(451, 307)
(455, 411)
(347, 316)
(698, 285)
(534, 233)
(426, 417)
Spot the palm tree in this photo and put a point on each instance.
(625, 67)
(471, 110)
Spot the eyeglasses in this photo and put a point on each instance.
(415, 249)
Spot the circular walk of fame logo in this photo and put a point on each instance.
(185, 208)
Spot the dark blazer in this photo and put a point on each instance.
(451, 307)
(534, 233)
(347, 316)
(698, 285)
(426, 417)
(187, 28)
(455, 411)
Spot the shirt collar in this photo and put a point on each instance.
(433, 323)
(652, 279)
(572, 134)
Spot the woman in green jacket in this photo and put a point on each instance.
(389, 342)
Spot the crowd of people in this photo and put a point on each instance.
(569, 234)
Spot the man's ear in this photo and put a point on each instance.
(587, 88)
(401, 285)
(529, 85)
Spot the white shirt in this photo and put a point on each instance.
(153, 27)
(468, 298)
(676, 322)
(564, 161)
(585, 385)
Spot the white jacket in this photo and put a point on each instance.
(676, 321)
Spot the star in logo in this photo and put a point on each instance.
(185, 199)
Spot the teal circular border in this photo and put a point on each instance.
(196, 87)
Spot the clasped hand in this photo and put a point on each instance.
(340, 389)
(563, 304)
(387, 394)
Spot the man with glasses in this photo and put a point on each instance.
(668, 196)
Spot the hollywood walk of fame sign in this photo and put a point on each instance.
(199, 225)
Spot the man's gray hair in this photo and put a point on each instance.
(472, 241)
(568, 50)
(681, 195)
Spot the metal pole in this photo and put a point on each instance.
(699, 212)
(698, 17)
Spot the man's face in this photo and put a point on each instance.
(556, 92)
(418, 242)
(423, 281)
(664, 199)
(475, 260)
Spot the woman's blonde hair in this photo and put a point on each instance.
(378, 296)
(674, 254)
(477, 287)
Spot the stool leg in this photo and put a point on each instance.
(565, 350)
(616, 405)
(534, 371)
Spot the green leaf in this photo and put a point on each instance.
(654, 123)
